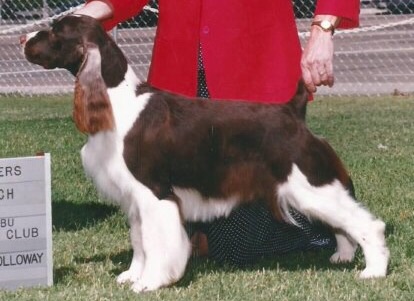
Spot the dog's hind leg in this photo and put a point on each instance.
(334, 205)
(345, 248)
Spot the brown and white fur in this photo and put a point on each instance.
(165, 159)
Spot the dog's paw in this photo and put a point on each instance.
(342, 257)
(369, 273)
(127, 276)
(142, 287)
(138, 287)
(377, 263)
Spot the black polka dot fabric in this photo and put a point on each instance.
(251, 232)
(202, 90)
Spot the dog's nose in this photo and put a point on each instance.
(22, 40)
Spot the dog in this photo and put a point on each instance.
(164, 158)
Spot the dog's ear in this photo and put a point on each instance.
(92, 109)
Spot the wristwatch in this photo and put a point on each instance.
(325, 25)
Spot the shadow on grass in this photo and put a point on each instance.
(292, 262)
(61, 275)
(69, 216)
(199, 267)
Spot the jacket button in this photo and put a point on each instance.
(206, 29)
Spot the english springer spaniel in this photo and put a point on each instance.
(165, 158)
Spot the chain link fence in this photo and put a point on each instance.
(377, 58)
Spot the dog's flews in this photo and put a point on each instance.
(164, 158)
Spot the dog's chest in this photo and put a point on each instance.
(103, 162)
(102, 155)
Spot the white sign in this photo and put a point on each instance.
(25, 222)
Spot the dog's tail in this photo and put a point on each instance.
(299, 102)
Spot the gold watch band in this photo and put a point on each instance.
(325, 25)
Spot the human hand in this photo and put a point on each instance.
(99, 10)
(317, 60)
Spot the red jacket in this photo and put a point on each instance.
(251, 49)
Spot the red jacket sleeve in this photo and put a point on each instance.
(348, 10)
(122, 11)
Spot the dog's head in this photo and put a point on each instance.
(79, 44)
(65, 44)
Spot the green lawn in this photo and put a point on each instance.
(374, 136)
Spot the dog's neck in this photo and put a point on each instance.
(125, 102)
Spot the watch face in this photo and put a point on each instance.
(326, 25)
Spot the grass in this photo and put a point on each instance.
(374, 136)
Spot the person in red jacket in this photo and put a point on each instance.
(247, 50)
(250, 49)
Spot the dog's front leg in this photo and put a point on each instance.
(165, 243)
(137, 264)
